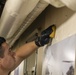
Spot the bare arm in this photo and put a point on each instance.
(23, 52)
(27, 49)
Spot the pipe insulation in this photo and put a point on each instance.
(9, 15)
(55, 3)
(60, 3)
(30, 18)
(14, 13)
(26, 8)
(70, 4)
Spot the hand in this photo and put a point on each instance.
(45, 36)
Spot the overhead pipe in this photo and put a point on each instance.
(42, 4)
(10, 12)
(30, 18)
(26, 8)
(55, 3)
(60, 3)
(70, 4)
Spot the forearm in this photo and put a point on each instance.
(27, 49)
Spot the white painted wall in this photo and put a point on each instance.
(65, 20)
(57, 55)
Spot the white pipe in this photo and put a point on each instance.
(70, 4)
(26, 8)
(60, 3)
(10, 12)
(55, 3)
(13, 5)
(30, 18)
